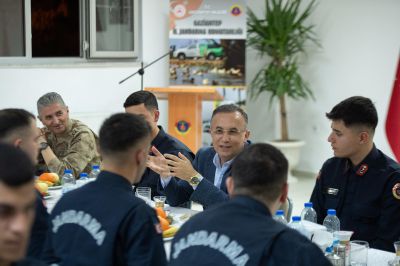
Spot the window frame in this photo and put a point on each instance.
(86, 22)
(94, 53)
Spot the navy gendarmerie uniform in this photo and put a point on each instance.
(39, 229)
(241, 232)
(164, 143)
(366, 197)
(103, 223)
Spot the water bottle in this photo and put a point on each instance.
(280, 216)
(331, 221)
(68, 181)
(308, 213)
(297, 225)
(95, 171)
(83, 179)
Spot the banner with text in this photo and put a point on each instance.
(207, 42)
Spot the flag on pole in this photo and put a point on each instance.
(393, 117)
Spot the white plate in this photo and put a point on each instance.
(55, 187)
(48, 197)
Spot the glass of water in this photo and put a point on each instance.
(144, 193)
(359, 253)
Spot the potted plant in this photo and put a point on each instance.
(282, 34)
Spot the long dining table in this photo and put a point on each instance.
(376, 257)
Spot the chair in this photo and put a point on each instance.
(287, 207)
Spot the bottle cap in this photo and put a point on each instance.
(96, 167)
(308, 205)
(296, 218)
(83, 175)
(331, 212)
(279, 212)
(67, 171)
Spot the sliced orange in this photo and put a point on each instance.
(160, 212)
(164, 223)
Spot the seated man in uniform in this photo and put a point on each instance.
(17, 205)
(144, 103)
(103, 223)
(204, 180)
(18, 128)
(360, 182)
(65, 143)
(242, 231)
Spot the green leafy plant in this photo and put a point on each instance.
(282, 35)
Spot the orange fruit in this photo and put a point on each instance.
(164, 223)
(160, 212)
(50, 177)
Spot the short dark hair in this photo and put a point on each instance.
(353, 111)
(139, 97)
(16, 168)
(230, 108)
(121, 132)
(13, 120)
(260, 170)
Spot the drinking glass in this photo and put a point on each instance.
(144, 193)
(159, 201)
(359, 253)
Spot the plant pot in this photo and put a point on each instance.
(291, 150)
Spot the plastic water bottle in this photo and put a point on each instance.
(83, 179)
(331, 221)
(308, 213)
(297, 225)
(95, 171)
(280, 216)
(68, 181)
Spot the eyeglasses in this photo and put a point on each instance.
(230, 132)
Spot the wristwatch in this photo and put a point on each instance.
(194, 180)
(43, 145)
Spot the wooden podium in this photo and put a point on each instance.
(184, 111)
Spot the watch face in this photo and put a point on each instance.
(43, 145)
(194, 180)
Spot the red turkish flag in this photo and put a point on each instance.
(393, 117)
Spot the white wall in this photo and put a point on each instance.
(360, 40)
(360, 48)
(92, 91)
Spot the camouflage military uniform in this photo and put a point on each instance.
(76, 149)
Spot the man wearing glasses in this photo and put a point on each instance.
(203, 181)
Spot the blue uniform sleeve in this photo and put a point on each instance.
(302, 251)
(388, 224)
(141, 243)
(207, 194)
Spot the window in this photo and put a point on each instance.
(79, 29)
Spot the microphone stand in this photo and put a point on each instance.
(141, 70)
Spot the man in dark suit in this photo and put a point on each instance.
(144, 103)
(204, 180)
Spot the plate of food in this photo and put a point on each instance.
(51, 179)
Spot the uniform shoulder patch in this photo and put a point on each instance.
(362, 170)
(396, 191)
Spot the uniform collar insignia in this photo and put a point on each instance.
(396, 191)
(362, 170)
